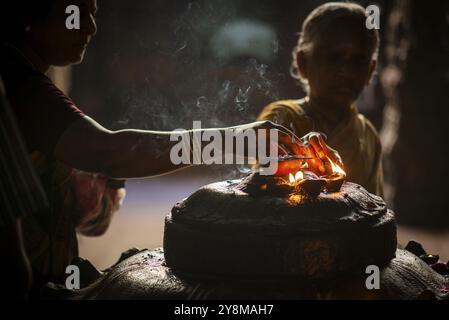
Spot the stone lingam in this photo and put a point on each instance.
(269, 237)
(264, 228)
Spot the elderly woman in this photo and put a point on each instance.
(334, 60)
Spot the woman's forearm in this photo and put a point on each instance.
(149, 153)
(139, 153)
(88, 146)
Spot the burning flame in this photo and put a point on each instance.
(336, 168)
(298, 176)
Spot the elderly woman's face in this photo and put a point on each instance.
(58, 45)
(340, 65)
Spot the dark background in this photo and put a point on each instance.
(156, 65)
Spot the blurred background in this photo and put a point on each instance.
(160, 64)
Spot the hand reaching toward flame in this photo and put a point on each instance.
(323, 160)
(285, 140)
(319, 157)
(325, 157)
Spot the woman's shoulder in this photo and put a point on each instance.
(288, 103)
(289, 113)
(42, 110)
(288, 106)
(369, 130)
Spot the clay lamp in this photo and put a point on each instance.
(307, 183)
(335, 180)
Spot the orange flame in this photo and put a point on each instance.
(298, 176)
(336, 168)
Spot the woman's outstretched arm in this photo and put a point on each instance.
(88, 146)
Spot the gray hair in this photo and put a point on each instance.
(319, 20)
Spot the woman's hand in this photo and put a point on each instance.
(313, 147)
(284, 141)
(315, 144)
